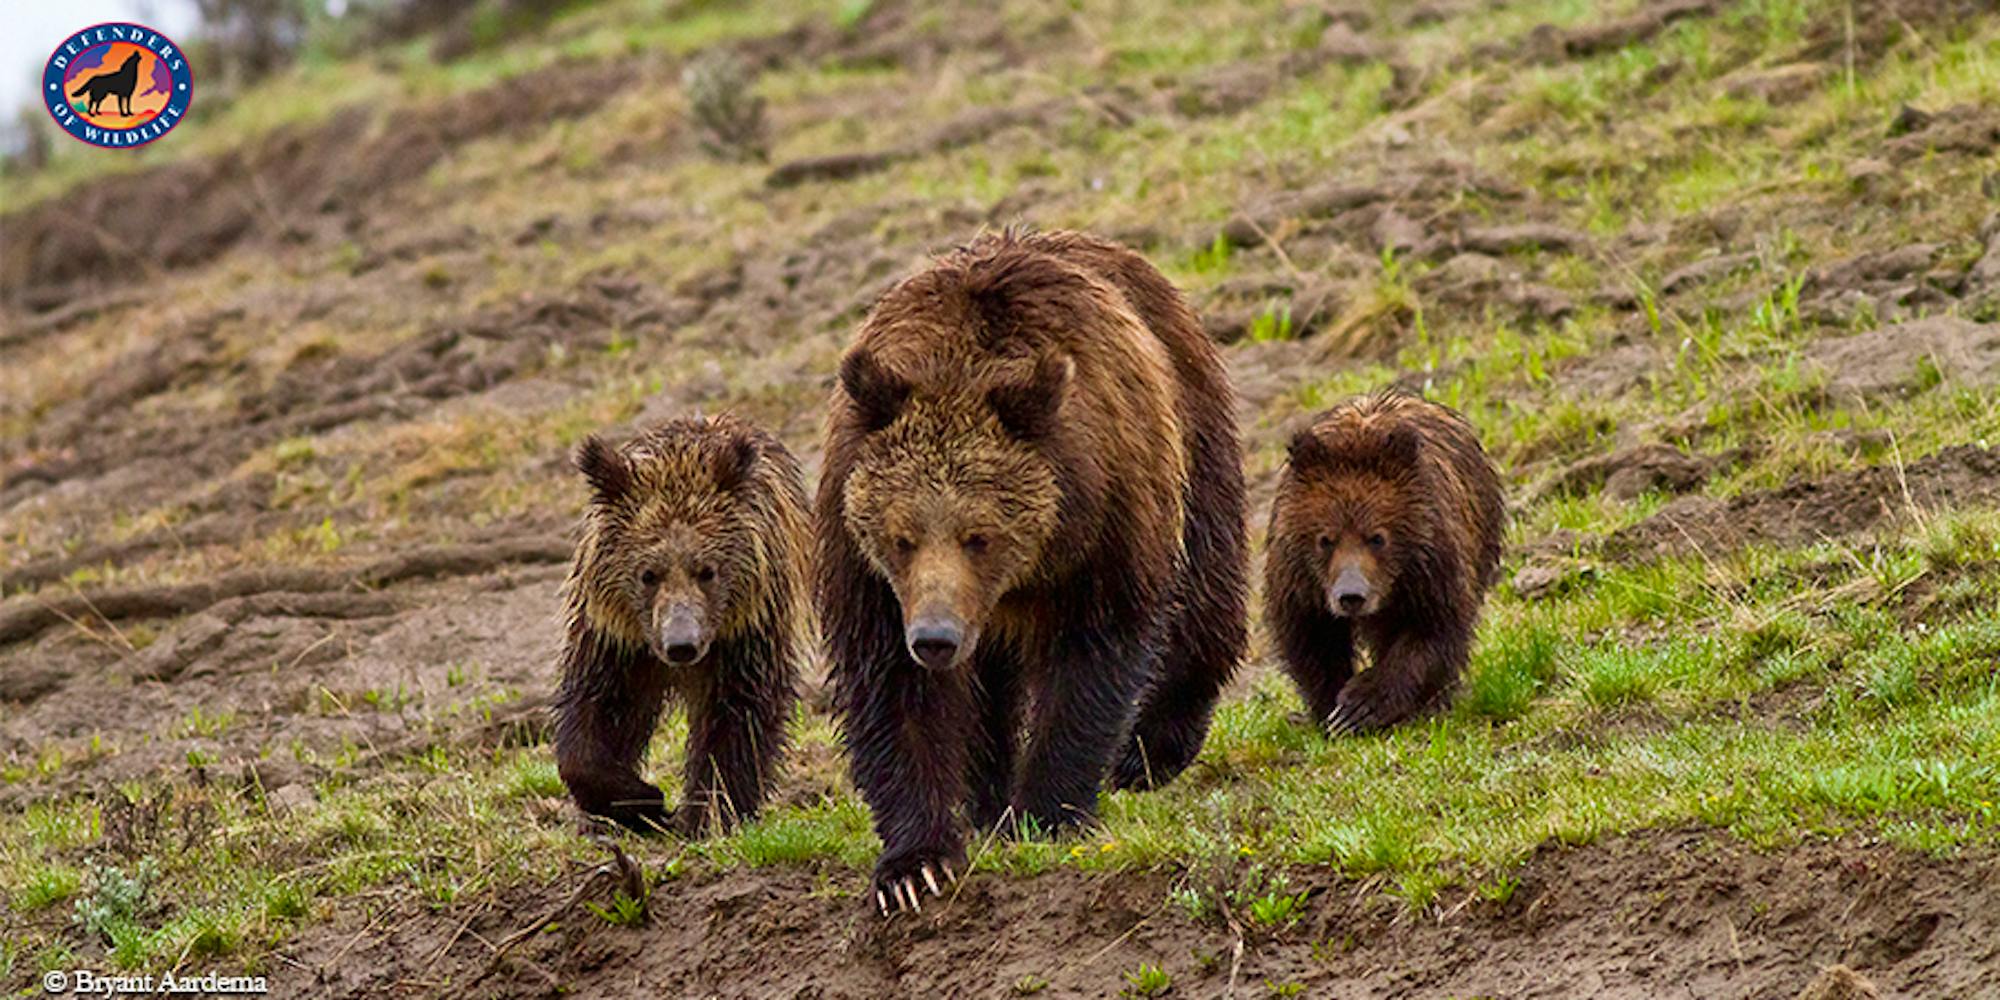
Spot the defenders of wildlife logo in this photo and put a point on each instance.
(117, 85)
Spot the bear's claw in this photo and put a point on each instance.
(907, 892)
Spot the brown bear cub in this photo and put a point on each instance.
(1031, 562)
(690, 579)
(1385, 532)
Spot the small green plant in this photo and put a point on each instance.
(1499, 889)
(1614, 677)
(1193, 901)
(1148, 980)
(1274, 323)
(851, 12)
(1277, 910)
(1029, 985)
(116, 899)
(1213, 258)
(624, 911)
(47, 887)
(1290, 989)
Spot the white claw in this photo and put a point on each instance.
(931, 880)
(882, 902)
(949, 875)
(916, 898)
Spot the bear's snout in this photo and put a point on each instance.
(936, 640)
(682, 639)
(1350, 593)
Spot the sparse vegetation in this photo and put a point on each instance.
(1782, 638)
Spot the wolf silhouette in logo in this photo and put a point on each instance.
(121, 83)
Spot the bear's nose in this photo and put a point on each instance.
(1349, 593)
(681, 653)
(934, 642)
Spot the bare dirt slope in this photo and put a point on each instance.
(283, 495)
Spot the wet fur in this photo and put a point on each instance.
(1416, 469)
(741, 490)
(1066, 370)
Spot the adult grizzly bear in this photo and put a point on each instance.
(1033, 491)
(1386, 530)
(690, 579)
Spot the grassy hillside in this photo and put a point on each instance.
(285, 403)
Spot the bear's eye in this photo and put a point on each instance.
(975, 543)
(1377, 540)
(904, 545)
(649, 578)
(1326, 543)
(704, 574)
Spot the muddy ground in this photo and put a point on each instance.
(166, 535)
(1669, 914)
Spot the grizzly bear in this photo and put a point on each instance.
(1030, 518)
(690, 580)
(1385, 532)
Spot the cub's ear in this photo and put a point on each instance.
(1308, 449)
(733, 462)
(878, 393)
(1402, 447)
(610, 478)
(1028, 410)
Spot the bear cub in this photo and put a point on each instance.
(1385, 533)
(690, 581)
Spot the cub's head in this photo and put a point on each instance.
(673, 523)
(1347, 517)
(953, 494)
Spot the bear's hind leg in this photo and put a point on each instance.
(1196, 660)
(1083, 708)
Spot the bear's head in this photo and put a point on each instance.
(1350, 513)
(955, 492)
(673, 523)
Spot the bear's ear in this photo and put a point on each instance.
(1028, 410)
(878, 394)
(610, 478)
(1308, 449)
(733, 461)
(1402, 447)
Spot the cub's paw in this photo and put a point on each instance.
(1048, 821)
(1154, 765)
(640, 808)
(902, 881)
(695, 820)
(1366, 709)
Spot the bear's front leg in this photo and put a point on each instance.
(1410, 673)
(605, 712)
(907, 737)
(1088, 688)
(990, 761)
(737, 714)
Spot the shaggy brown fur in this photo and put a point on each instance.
(689, 580)
(1032, 494)
(1386, 530)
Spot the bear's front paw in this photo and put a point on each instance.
(1144, 767)
(637, 806)
(695, 820)
(1364, 708)
(901, 881)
